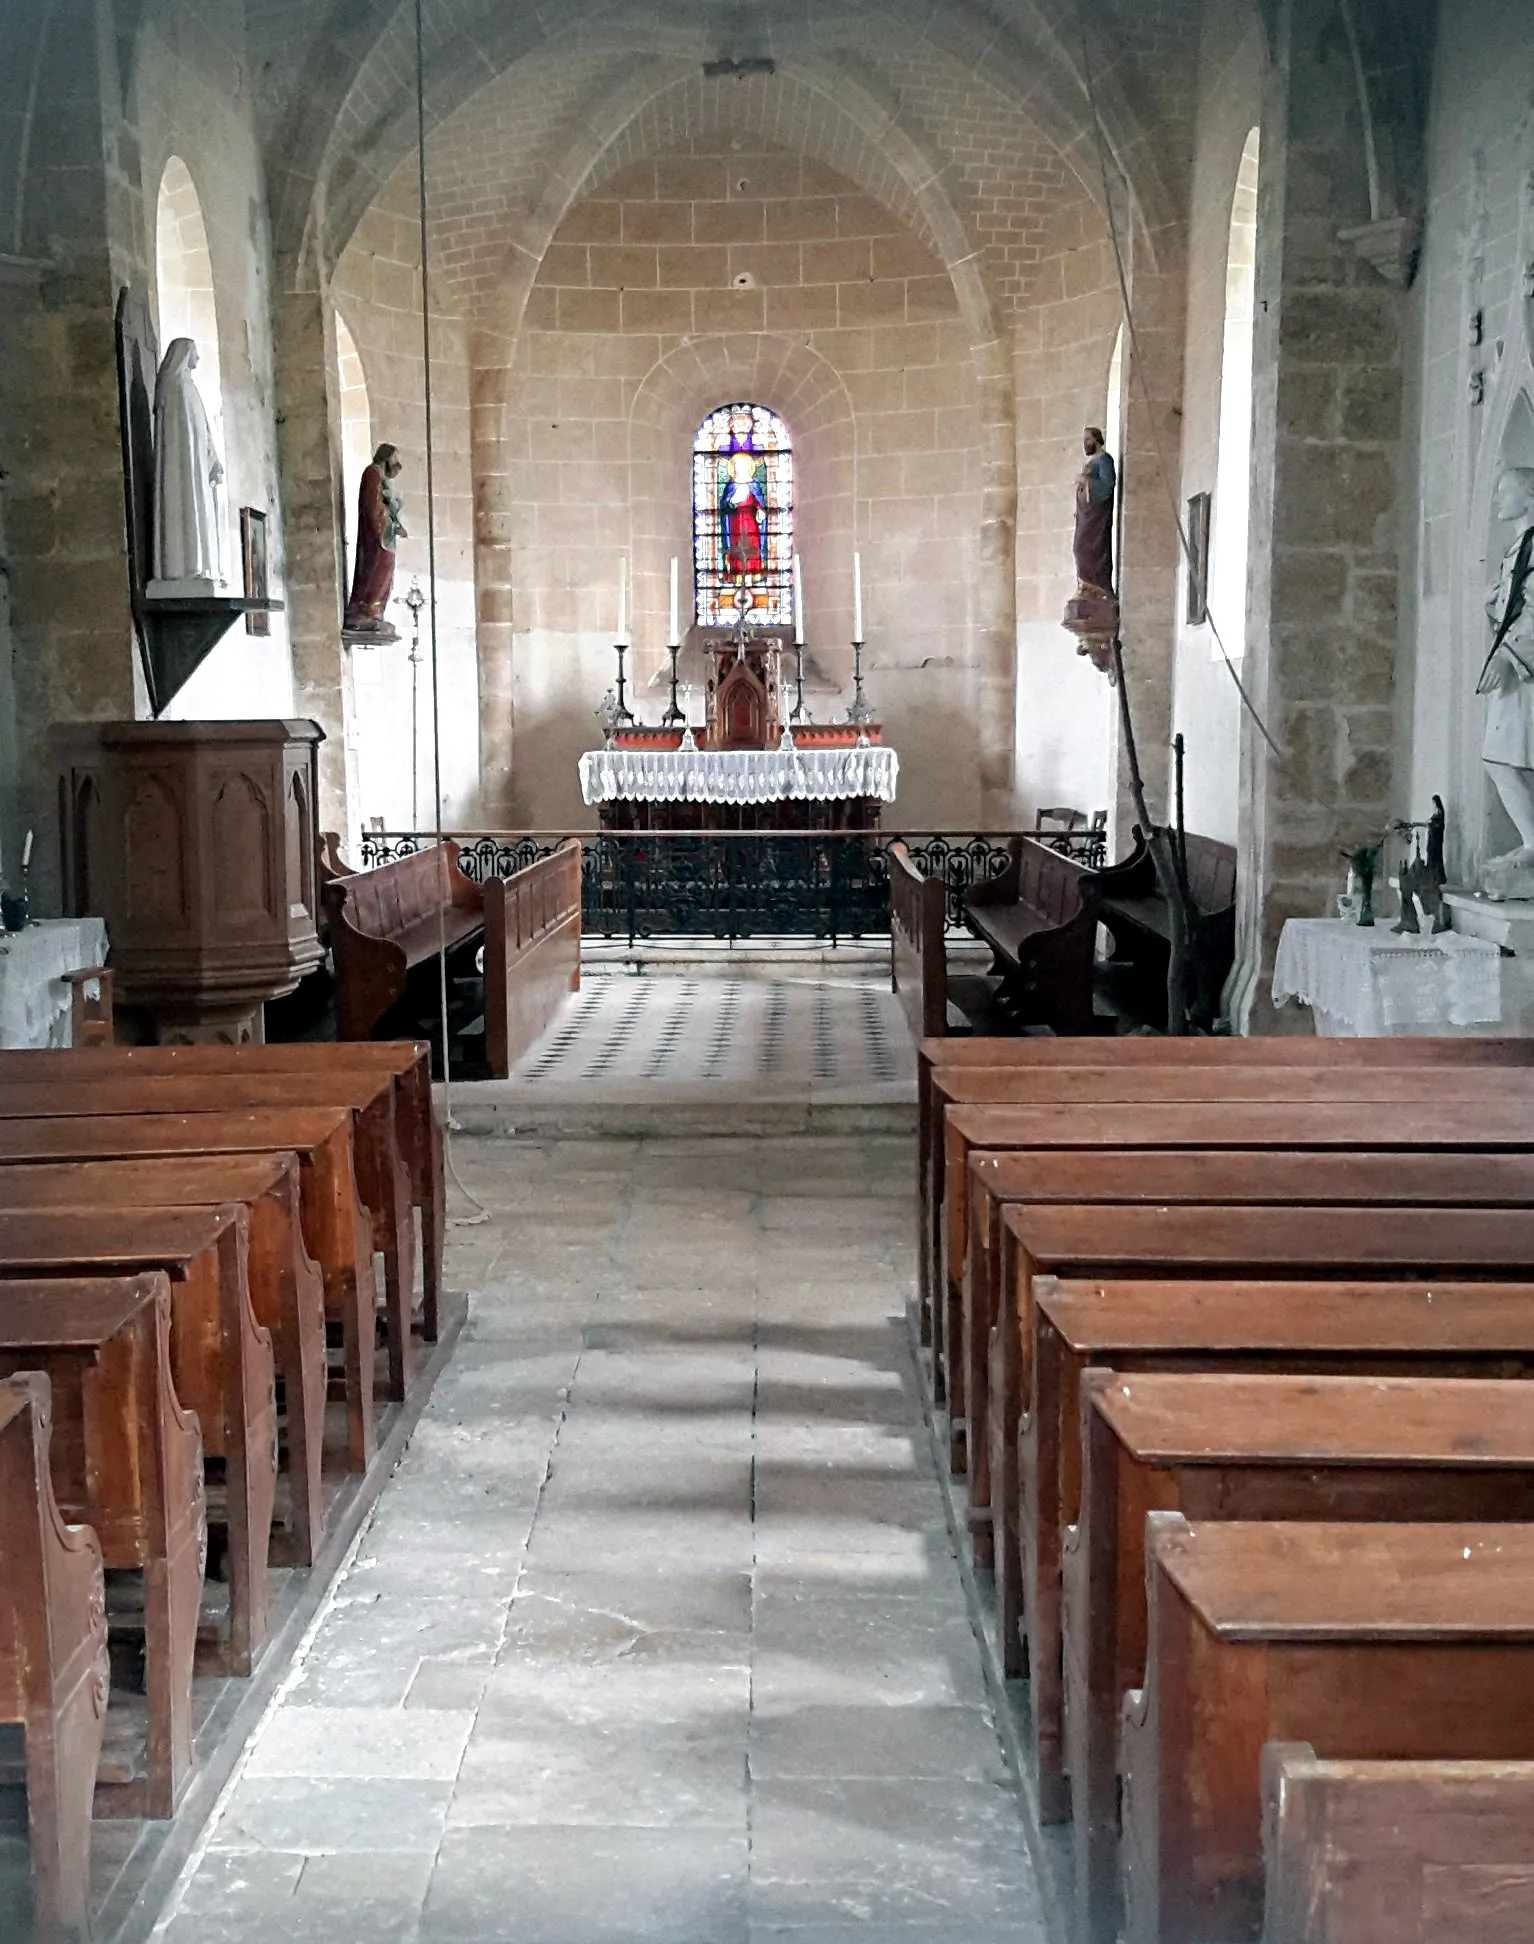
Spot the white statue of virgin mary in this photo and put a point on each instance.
(188, 531)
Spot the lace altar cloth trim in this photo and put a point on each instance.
(1373, 982)
(737, 775)
(34, 1000)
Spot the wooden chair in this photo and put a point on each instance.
(224, 1369)
(53, 1658)
(128, 1463)
(1374, 1642)
(1396, 1852)
(1251, 1448)
(92, 1016)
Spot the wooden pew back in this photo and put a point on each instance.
(918, 960)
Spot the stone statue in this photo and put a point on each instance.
(1507, 682)
(380, 528)
(1093, 614)
(188, 529)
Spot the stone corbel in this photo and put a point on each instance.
(1390, 46)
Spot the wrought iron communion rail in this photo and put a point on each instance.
(739, 884)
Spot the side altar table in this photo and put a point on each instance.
(1364, 982)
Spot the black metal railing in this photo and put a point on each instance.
(739, 884)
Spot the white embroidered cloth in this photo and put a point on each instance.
(34, 1000)
(737, 775)
(1363, 983)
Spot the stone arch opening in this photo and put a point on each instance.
(356, 427)
(184, 293)
(1233, 471)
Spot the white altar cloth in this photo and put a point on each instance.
(34, 1000)
(738, 775)
(1364, 983)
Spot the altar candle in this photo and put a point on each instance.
(674, 638)
(857, 597)
(26, 851)
(798, 602)
(623, 600)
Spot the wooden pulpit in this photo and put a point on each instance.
(196, 842)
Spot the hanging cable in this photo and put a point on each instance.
(1163, 467)
(449, 1127)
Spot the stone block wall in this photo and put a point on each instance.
(687, 281)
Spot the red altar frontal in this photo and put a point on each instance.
(749, 767)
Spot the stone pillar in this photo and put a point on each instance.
(309, 462)
(1153, 382)
(997, 588)
(492, 581)
(1323, 572)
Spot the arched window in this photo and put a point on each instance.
(743, 518)
(1233, 482)
(184, 284)
(356, 425)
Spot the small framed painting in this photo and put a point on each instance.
(253, 555)
(1199, 507)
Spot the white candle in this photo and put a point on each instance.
(798, 602)
(623, 601)
(857, 597)
(26, 851)
(674, 638)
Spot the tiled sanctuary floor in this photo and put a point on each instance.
(657, 1633)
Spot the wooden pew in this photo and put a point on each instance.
(416, 1125)
(385, 921)
(53, 1659)
(918, 955)
(1380, 1642)
(127, 1461)
(532, 952)
(224, 1369)
(380, 1175)
(996, 1181)
(956, 1056)
(336, 1229)
(1132, 907)
(1039, 919)
(287, 1291)
(1300, 1244)
(1396, 1852)
(1253, 1448)
(1342, 1124)
(1093, 1085)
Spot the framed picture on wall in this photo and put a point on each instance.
(1199, 507)
(253, 557)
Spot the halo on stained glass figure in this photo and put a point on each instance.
(743, 518)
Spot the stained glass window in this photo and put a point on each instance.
(743, 518)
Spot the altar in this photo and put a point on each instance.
(753, 765)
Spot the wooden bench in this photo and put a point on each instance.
(127, 1461)
(1255, 1448)
(1396, 1852)
(53, 1659)
(997, 1181)
(1381, 1642)
(287, 1291)
(1131, 906)
(369, 1098)
(224, 1368)
(336, 1229)
(955, 1057)
(1331, 1327)
(416, 1126)
(532, 953)
(386, 921)
(1300, 1244)
(1335, 1125)
(1039, 919)
(918, 955)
